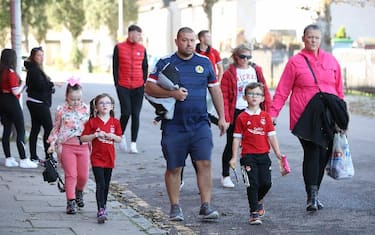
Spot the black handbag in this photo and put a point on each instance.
(50, 173)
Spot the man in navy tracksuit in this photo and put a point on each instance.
(188, 132)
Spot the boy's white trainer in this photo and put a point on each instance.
(227, 182)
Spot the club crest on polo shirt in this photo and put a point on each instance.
(263, 121)
(199, 69)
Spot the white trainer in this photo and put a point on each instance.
(227, 182)
(11, 162)
(133, 147)
(123, 146)
(27, 163)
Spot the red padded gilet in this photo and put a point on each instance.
(130, 58)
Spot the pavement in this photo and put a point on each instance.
(31, 206)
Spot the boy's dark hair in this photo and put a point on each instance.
(134, 27)
(94, 102)
(254, 85)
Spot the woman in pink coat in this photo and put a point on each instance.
(298, 82)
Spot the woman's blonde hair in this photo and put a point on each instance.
(237, 51)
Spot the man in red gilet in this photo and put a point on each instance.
(130, 68)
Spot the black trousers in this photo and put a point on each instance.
(227, 153)
(11, 114)
(102, 179)
(258, 169)
(40, 117)
(130, 103)
(315, 159)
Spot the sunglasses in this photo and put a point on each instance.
(245, 57)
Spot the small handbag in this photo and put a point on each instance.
(340, 164)
(50, 173)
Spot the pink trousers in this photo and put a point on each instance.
(75, 162)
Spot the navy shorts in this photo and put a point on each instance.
(176, 145)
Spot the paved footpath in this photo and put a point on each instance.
(31, 206)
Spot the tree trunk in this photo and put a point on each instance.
(324, 21)
(207, 7)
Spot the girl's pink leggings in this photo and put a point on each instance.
(75, 162)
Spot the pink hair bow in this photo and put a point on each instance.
(72, 81)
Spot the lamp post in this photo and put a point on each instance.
(120, 31)
(16, 34)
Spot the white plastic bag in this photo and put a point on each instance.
(340, 164)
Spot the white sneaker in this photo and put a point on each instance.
(227, 182)
(123, 146)
(11, 162)
(133, 147)
(26, 163)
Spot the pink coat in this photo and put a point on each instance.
(298, 82)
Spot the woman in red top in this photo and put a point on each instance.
(103, 130)
(10, 109)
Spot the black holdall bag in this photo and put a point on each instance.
(50, 173)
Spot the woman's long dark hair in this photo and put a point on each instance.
(8, 61)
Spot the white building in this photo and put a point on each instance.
(254, 17)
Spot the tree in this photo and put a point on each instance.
(71, 14)
(4, 22)
(341, 32)
(105, 12)
(324, 18)
(207, 7)
(39, 24)
(34, 17)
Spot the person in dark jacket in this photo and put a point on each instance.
(39, 98)
(130, 69)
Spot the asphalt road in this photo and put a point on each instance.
(139, 181)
